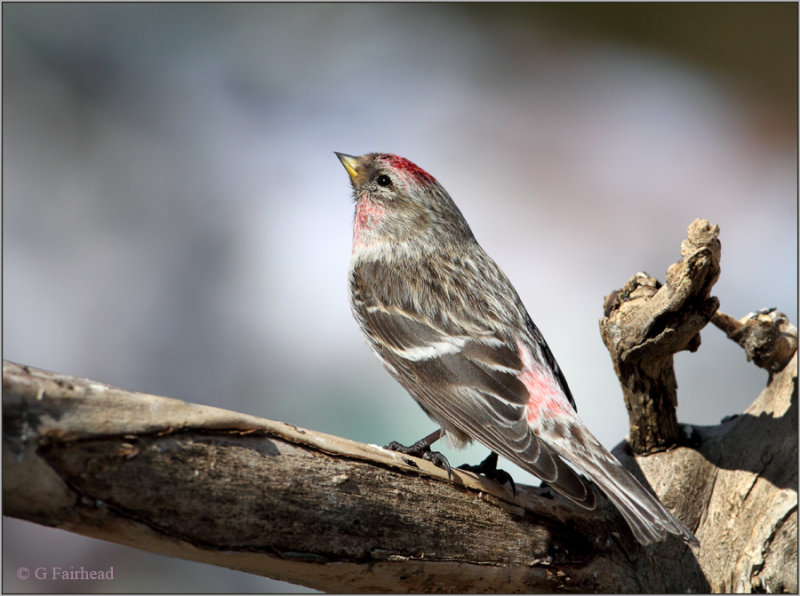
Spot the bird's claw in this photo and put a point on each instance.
(422, 451)
(438, 459)
(488, 467)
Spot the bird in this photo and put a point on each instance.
(448, 325)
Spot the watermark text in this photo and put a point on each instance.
(71, 573)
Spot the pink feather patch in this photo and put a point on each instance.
(546, 397)
(367, 214)
(411, 169)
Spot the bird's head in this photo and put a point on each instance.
(400, 204)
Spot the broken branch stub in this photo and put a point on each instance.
(768, 337)
(645, 323)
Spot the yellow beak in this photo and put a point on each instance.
(351, 164)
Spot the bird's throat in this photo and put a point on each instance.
(368, 215)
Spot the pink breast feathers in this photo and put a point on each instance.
(368, 214)
(546, 398)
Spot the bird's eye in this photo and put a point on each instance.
(384, 180)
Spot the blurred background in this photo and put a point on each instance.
(175, 221)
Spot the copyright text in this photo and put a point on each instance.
(71, 573)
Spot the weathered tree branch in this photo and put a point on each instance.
(645, 323)
(269, 498)
(768, 337)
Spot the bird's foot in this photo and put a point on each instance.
(488, 468)
(422, 448)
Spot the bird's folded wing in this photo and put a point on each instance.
(472, 381)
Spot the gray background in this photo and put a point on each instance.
(175, 221)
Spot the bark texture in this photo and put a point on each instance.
(646, 323)
(269, 498)
(293, 504)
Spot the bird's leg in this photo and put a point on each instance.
(422, 448)
(547, 492)
(488, 468)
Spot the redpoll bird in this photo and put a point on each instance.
(448, 325)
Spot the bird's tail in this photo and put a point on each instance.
(648, 519)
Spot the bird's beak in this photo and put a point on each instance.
(352, 164)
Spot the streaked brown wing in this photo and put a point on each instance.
(470, 382)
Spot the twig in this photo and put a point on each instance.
(768, 337)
